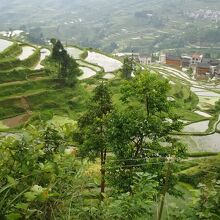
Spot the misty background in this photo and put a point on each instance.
(117, 25)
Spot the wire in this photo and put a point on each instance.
(135, 159)
(135, 165)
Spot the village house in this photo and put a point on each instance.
(174, 61)
(162, 58)
(203, 66)
(217, 71)
(144, 59)
(196, 58)
(203, 70)
(186, 61)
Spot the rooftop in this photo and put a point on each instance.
(203, 65)
(173, 57)
(197, 55)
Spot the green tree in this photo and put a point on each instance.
(150, 90)
(127, 68)
(140, 136)
(126, 206)
(91, 135)
(68, 68)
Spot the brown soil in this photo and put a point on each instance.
(16, 121)
(20, 119)
(25, 104)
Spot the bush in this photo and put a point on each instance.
(84, 55)
(37, 179)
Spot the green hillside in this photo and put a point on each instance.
(52, 133)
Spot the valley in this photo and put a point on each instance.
(28, 92)
(145, 26)
(31, 94)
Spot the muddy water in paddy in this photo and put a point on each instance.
(201, 126)
(87, 73)
(4, 44)
(27, 51)
(109, 64)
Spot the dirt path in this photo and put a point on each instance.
(16, 121)
(20, 119)
(25, 105)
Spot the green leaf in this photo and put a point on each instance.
(23, 206)
(13, 216)
(11, 181)
(37, 189)
(30, 196)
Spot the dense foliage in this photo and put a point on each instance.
(68, 68)
(119, 161)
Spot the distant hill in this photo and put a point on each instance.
(142, 25)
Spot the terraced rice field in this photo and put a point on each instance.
(203, 114)
(97, 62)
(27, 51)
(87, 73)
(207, 143)
(4, 44)
(44, 53)
(74, 52)
(218, 128)
(208, 95)
(197, 127)
(96, 68)
(109, 64)
(109, 76)
(17, 120)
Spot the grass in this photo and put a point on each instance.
(205, 170)
(11, 63)
(25, 88)
(61, 120)
(10, 108)
(202, 154)
(180, 203)
(11, 52)
(185, 102)
(68, 101)
(2, 126)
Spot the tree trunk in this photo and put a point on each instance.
(102, 185)
(164, 192)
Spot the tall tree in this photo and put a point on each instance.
(91, 134)
(127, 68)
(140, 133)
(150, 90)
(68, 68)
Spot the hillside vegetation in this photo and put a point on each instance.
(82, 138)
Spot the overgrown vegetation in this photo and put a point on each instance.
(101, 150)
